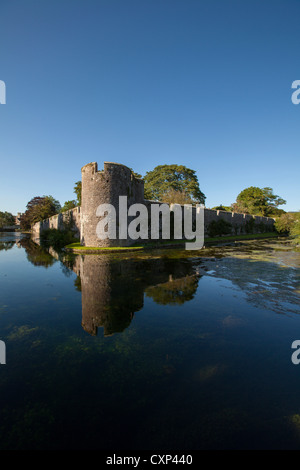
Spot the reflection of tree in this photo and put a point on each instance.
(77, 284)
(176, 291)
(67, 260)
(6, 245)
(67, 263)
(36, 254)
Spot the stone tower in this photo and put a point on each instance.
(105, 187)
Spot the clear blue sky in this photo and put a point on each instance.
(205, 84)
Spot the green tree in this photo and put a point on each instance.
(295, 229)
(176, 197)
(77, 191)
(37, 209)
(68, 205)
(258, 201)
(164, 178)
(222, 208)
(273, 201)
(285, 222)
(54, 202)
(6, 219)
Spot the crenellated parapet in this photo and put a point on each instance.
(114, 180)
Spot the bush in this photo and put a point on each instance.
(285, 222)
(295, 229)
(218, 228)
(249, 225)
(236, 229)
(57, 238)
(263, 228)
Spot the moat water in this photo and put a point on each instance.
(159, 350)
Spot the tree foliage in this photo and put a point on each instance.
(68, 205)
(57, 238)
(258, 201)
(295, 229)
(77, 191)
(289, 224)
(285, 222)
(176, 197)
(219, 227)
(37, 209)
(222, 208)
(6, 219)
(178, 178)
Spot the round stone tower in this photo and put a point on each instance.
(105, 187)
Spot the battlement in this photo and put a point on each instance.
(111, 168)
(115, 180)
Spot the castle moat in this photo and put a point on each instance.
(157, 350)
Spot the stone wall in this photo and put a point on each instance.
(105, 187)
(238, 221)
(70, 218)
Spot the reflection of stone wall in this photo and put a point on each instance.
(112, 291)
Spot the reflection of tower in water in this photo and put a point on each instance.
(113, 290)
(108, 300)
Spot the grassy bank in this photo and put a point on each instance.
(246, 236)
(77, 248)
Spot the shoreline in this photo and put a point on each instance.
(79, 249)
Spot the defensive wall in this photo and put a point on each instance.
(105, 187)
(61, 221)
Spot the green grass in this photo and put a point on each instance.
(77, 246)
(162, 243)
(245, 236)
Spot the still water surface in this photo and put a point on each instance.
(157, 350)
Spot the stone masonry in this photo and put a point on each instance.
(105, 187)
